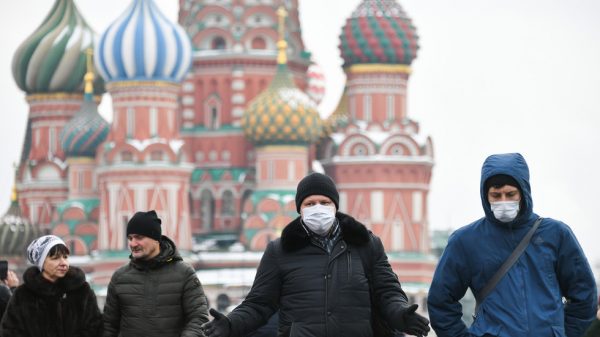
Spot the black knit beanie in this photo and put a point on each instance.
(500, 180)
(316, 184)
(146, 224)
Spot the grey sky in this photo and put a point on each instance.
(491, 76)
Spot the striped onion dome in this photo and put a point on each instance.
(282, 114)
(378, 31)
(15, 230)
(52, 59)
(143, 45)
(82, 135)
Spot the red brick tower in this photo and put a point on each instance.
(281, 122)
(49, 66)
(144, 163)
(235, 48)
(377, 156)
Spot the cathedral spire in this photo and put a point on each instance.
(281, 43)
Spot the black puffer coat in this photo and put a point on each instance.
(318, 294)
(39, 308)
(161, 297)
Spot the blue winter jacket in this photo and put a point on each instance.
(528, 301)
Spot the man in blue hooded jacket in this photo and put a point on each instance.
(549, 291)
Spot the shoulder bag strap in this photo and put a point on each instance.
(491, 284)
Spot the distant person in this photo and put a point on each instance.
(314, 276)
(54, 300)
(528, 299)
(8, 283)
(156, 294)
(594, 329)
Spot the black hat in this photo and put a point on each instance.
(500, 180)
(316, 184)
(146, 224)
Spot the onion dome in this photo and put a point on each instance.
(15, 230)
(143, 45)
(52, 59)
(282, 113)
(316, 83)
(378, 31)
(87, 129)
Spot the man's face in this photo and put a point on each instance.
(316, 200)
(143, 247)
(504, 193)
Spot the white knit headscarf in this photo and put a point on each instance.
(38, 249)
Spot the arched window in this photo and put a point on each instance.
(207, 210)
(259, 43)
(214, 117)
(218, 43)
(227, 206)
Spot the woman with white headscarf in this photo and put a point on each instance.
(54, 300)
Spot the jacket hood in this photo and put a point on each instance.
(34, 281)
(514, 165)
(168, 254)
(295, 236)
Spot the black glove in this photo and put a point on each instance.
(413, 323)
(218, 327)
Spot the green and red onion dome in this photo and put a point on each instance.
(378, 31)
(282, 114)
(52, 59)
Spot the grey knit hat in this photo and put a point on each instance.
(38, 249)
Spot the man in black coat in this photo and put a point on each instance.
(314, 276)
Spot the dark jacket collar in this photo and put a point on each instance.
(168, 254)
(33, 280)
(295, 236)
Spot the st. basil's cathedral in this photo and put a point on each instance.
(214, 121)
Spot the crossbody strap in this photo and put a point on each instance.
(491, 284)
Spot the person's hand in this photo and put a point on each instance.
(12, 281)
(218, 327)
(413, 323)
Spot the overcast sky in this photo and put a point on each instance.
(491, 76)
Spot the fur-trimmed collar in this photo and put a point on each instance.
(295, 236)
(33, 280)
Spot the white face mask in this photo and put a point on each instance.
(318, 218)
(505, 211)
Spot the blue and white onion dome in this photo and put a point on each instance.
(143, 45)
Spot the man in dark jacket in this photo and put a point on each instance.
(528, 299)
(314, 276)
(156, 294)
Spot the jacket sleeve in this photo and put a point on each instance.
(112, 310)
(13, 324)
(386, 286)
(195, 306)
(92, 318)
(262, 300)
(449, 285)
(577, 285)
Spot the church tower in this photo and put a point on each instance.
(234, 59)
(144, 163)
(281, 122)
(49, 67)
(375, 152)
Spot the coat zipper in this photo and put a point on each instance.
(349, 265)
